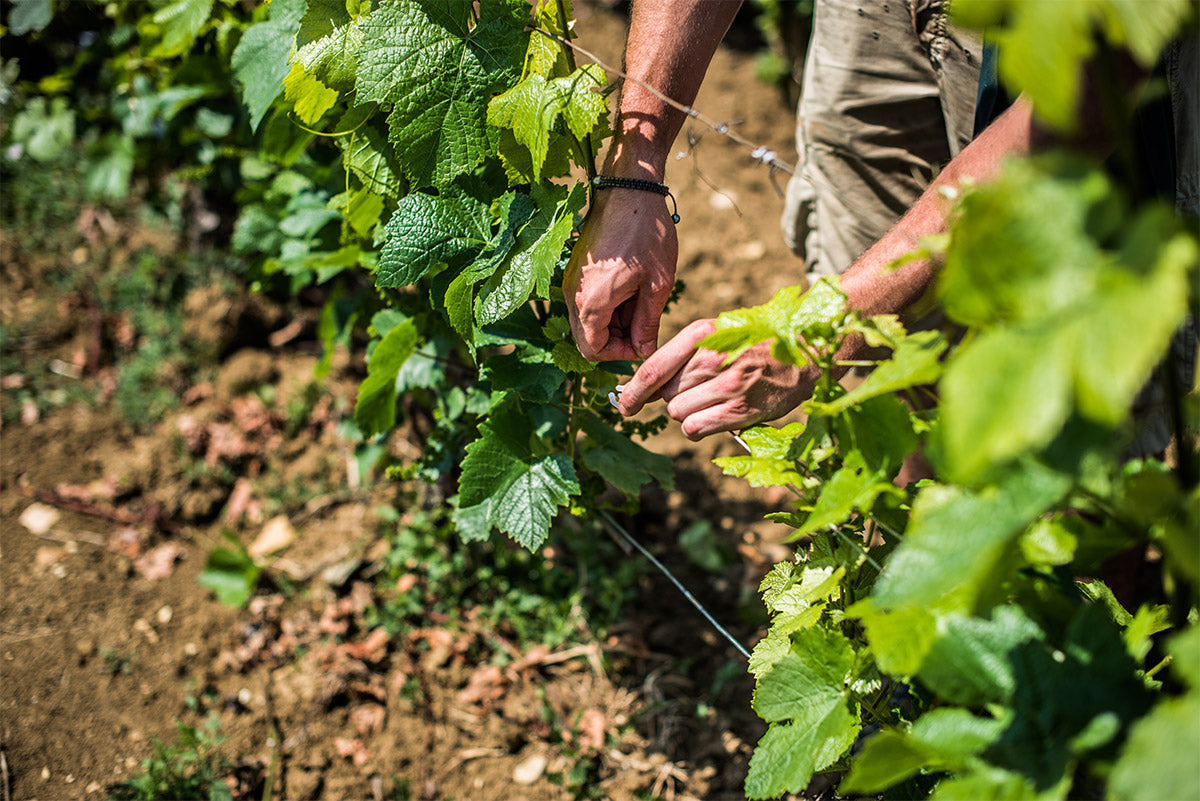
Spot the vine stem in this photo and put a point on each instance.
(832, 528)
(862, 699)
(589, 157)
(758, 152)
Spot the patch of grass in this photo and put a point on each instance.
(40, 202)
(191, 768)
(116, 662)
(572, 590)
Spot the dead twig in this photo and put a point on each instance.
(83, 536)
(151, 516)
(463, 757)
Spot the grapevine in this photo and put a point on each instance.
(427, 162)
(976, 650)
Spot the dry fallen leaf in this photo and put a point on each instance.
(486, 685)
(592, 729)
(158, 563)
(368, 719)
(353, 750)
(371, 649)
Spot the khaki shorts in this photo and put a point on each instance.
(888, 97)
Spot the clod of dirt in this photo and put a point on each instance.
(216, 319)
(245, 371)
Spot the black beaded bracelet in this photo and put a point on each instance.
(605, 182)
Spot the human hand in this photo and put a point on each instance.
(706, 397)
(620, 275)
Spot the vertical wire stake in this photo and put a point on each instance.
(617, 529)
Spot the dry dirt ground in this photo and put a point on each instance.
(106, 638)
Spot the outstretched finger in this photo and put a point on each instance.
(662, 366)
(724, 416)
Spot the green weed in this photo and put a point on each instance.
(191, 768)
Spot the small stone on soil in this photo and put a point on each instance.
(39, 518)
(530, 769)
(276, 535)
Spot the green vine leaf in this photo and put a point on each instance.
(771, 462)
(308, 96)
(368, 156)
(545, 56)
(260, 60)
(852, 488)
(328, 43)
(530, 268)
(428, 230)
(940, 740)
(931, 570)
(1043, 47)
(528, 371)
(621, 461)
(522, 487)
(179, 22)
(968, 663)
(792, 314)
(1052, 306)
(375, 409)
(511, 211)
(1157, 760)
(806, 699)
(532, 108)
(438, 73)
(914, 363)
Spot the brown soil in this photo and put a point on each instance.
(105, 632)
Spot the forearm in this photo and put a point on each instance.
(872, 287)
(669, 47)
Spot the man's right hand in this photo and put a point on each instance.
(621, 274)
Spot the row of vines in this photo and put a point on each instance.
(428, 161)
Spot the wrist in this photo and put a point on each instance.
(639, 150)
